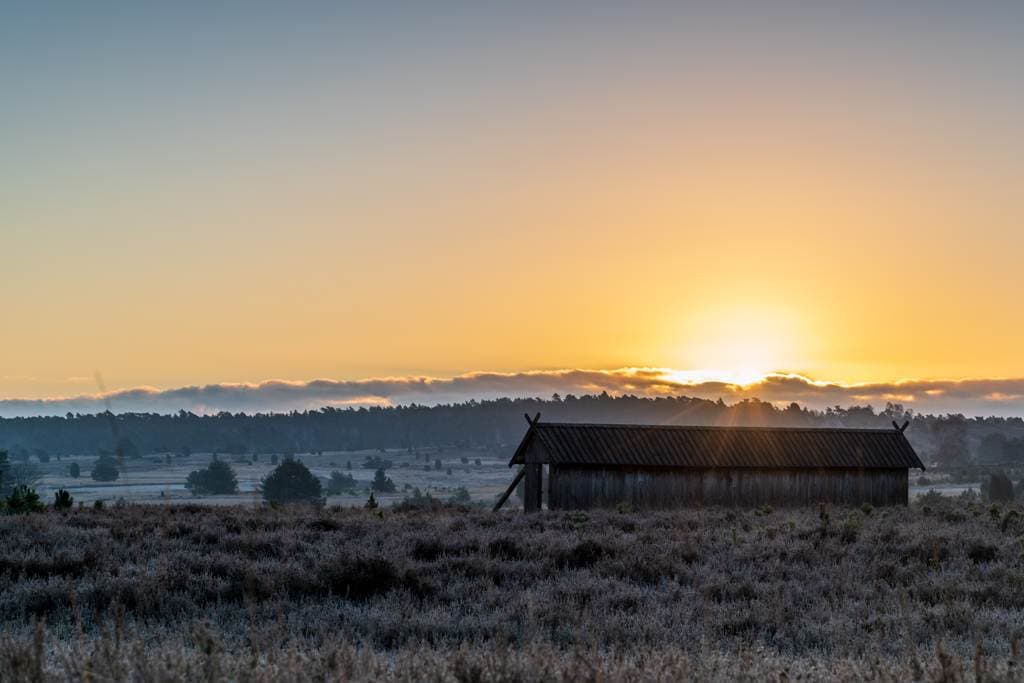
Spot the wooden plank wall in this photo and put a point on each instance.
(584, 487)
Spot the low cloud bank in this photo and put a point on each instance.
(971, 397)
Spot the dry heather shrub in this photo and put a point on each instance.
(329, 594)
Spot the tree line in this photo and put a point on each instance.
(947, 440)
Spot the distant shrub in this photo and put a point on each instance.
(62, 500)
(461, 496)
(418, 501)
(340, 483)
(371, 502)
(97, 505)
(1000, 488)
(437, 464)
(74, 470)
(105, 469)
(375, 462)
(291, 482)
(218, 478)
(478, 462)
(274, 459)
(929, 500)
(23, 500)
(382, 483)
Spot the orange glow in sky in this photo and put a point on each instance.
(345, 196)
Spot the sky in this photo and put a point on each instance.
(222, 195)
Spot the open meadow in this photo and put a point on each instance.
(160, 478)
(934, 591)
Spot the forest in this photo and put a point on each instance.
(943, 440)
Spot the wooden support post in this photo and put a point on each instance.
(509, 490)
(534, 492)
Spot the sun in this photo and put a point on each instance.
(739, 346)
(741, 376)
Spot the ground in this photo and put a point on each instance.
(248, 593)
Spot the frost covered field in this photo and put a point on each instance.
(160, 478)
(244, 593)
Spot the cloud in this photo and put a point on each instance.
(971, 397)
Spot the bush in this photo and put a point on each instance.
(105, 469)
(1000, 488)
(419, 501)
(982, 552)
(582, 555)
(291, 482)
(218, 478)
(74, 470)
(340, 483)
(461, 496)
(23, 499)
(382, 483)
(375, 462)
(360, 579)
(62, 500)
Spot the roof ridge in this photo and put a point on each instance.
(628, 425)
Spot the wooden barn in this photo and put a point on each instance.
(580, 466)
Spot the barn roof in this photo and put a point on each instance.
(674, 446)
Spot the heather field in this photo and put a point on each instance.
(151, 593)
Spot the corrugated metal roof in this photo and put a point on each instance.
(674, 446)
